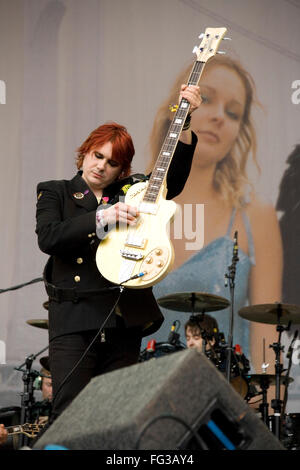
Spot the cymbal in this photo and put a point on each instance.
(273, 314)
(39, 323)
(193, 302)
(268, 379)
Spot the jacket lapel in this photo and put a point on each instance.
(81, 194)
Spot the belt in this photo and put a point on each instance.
(72, 294)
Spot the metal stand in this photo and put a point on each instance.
(264, 406)
(287, 375)
(277, 348)
(27, 397)
(231, 277)
(202, 331)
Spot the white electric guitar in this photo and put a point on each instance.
(145, 251)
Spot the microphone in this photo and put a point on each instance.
(173, 336)
(235, 245)
(290, 350)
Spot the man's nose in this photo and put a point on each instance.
(101, 164)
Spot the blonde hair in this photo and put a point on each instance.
(230, 178)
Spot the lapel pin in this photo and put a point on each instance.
(78, 195)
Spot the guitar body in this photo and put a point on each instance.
(127, 251)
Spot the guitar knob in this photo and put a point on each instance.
(158, 252)
(149, 260)
(159, 264)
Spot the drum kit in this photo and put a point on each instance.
(284, 426)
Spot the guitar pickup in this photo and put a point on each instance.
(148, 208)
(131, 255)
(135, 241)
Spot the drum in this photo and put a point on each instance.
(240, 367)
(156, 350)
(291, 431)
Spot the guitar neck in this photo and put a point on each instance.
(28, 429)
(166, 153)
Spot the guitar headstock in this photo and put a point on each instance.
(31, 430)
(210, 43)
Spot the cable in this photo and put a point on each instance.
(87, 349)
(167, 416)
(96, 336)
(38, 279)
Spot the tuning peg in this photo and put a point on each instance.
(201, 36)
(221, 52)
(226, 39)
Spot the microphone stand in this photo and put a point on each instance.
(231, 276)
(277, 348)
(287, 375)
(202, 332)
(27, 400)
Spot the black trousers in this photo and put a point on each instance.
(120, 349)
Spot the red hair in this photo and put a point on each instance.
(122, 145)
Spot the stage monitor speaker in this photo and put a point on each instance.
(179, 401)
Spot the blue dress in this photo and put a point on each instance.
(205, 272)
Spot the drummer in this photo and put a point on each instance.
(201, 332)
(41, 410)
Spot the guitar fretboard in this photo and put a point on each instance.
(28, 429)
(165, 156)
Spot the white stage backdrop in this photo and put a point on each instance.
(66, 66)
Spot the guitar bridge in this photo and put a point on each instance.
(131, 255)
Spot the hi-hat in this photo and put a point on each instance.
(193, 302)
(273, 314)
(39, 323)
(267, 379)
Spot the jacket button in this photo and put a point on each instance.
(77, 278)
(79, 261)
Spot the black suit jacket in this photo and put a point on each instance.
(66, 229)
